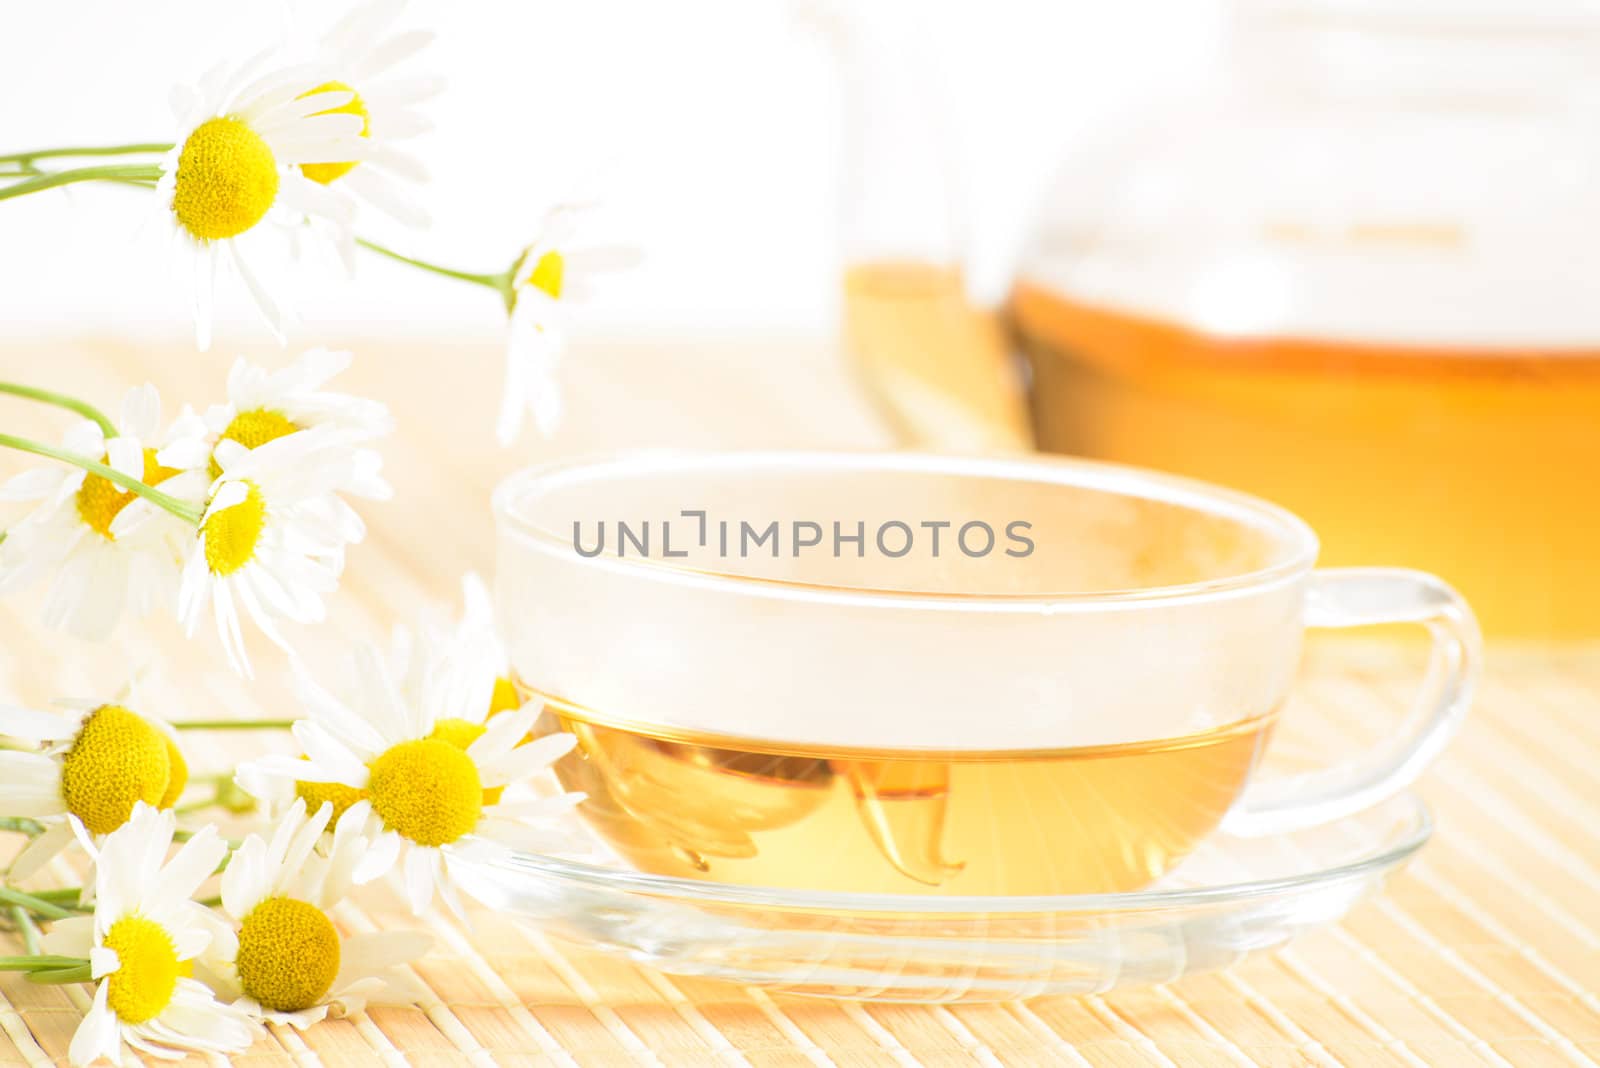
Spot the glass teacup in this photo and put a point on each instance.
(897, 673)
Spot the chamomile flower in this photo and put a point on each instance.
(140, 943)
(90, 766)
(264, 406)
(361, 54)
(467, 651)
(288, 963)
(429, 779)
(552, 273)
(272, 537)
(464, 655)
(99, 570)
(243, 136)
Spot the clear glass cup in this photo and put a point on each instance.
(908, 674)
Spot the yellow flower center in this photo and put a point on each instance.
(288, 954)
(548, 273)
(116, 759)
(230, 536)
(142, 986)
(427, 791)
(178, 777)
(505, 697)
(327, 172)
(227, 179)
(461, 733)
(335, 793)
(254, 428)
(100, 501)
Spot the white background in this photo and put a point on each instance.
(715, 125)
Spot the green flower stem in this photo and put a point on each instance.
(500, 283)
(61, 400)
(26, 927)
(232, 724)
(22, 825)
(78, 973)
(35, 962)
(178, 508)
(111, 172)
(38, 906)
(67, 895)
(101, 150)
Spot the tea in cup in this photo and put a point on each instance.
(895, 673)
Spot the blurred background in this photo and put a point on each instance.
(1342, 254)
(712, 128)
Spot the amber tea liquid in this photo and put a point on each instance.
(1075, 820)
(1476, 464)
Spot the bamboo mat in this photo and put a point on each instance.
(1485, 951)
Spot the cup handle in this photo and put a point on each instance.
(1358, 597)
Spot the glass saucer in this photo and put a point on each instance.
(1232, 897)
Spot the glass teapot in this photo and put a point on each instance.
(1358, 275)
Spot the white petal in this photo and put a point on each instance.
(244, 883)
(193, 865)
(103, 961)
(307, 837)
(365, 956)
(420, 865)
(126, 456)
(30, 785)
(228, 494)
(71, 937)
(141, 412)
(98, 1035)
(39, 852)
(38, 726)
(190, 942)
(380, 858)
(185, 454)
(525, 761)
(504, 731)
(330, 757)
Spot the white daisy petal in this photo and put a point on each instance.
(71, 937)
(126, 456)
(194, 863)
(40, 851)
(504, 731)
(103, 961)
(244, 883)
(419, 878)
(191, 942)
(30, 785)
(330, 756)
(36, 726)
(380, 858)
(98, 1035)
(526, 761)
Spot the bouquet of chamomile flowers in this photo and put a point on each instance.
(425, 760)
(236, 517)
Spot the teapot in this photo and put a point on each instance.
(1355, 274)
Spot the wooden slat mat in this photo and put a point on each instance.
(1485, 951)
